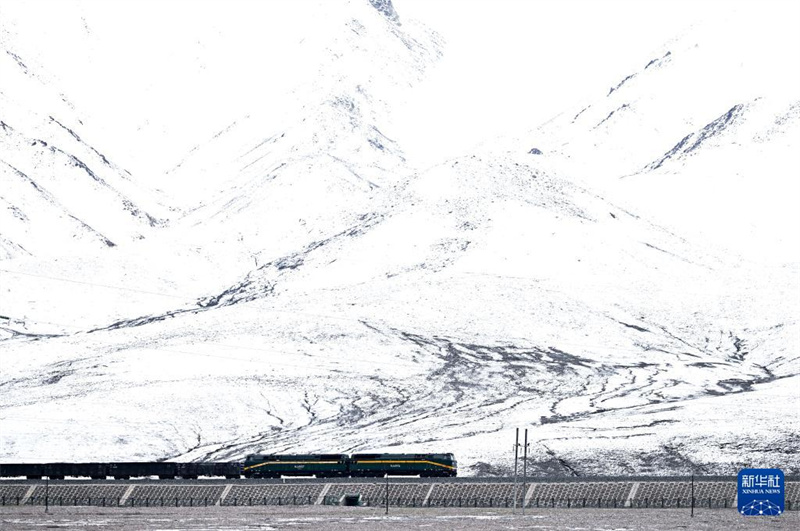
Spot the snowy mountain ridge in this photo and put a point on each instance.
(312, 292)
(50, 173)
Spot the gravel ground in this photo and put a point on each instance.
(371, 518)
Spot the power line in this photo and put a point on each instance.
(271, 363)
(326, 359)
(724, 288)
(94, 284)
(242, 347)
(90, 420)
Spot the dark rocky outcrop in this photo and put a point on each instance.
(386, 9)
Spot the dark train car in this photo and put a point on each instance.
(75, 470)
(423, 465)
(90, 470)
(163, 470)
(193, 470)
(167, 470)
(57, 470)
(18, 470)
(275, 466)
(54, 471)
(231, 470)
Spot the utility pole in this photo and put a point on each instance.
(524, 470)
(516, 459)
(692, 495)
(387, 493)
(46, 495)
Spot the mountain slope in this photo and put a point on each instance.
(60, 195)
(483, 317)
(309, 169)
(702, 137)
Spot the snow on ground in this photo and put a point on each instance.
(370, 518)
(309, 291)
(59, 193)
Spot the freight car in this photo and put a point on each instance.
(164, 470)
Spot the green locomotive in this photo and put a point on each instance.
(424, 465)
(275, 466)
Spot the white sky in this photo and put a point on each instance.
(508, 65)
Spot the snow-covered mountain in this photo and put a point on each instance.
(313, 168)
(702, 137)
(313, 292)
(60, 195)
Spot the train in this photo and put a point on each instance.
(254, 466)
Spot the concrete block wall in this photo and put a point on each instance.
(78, 494)
(174, 495)
(470, 493)
(405, 494)
(289, 494)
